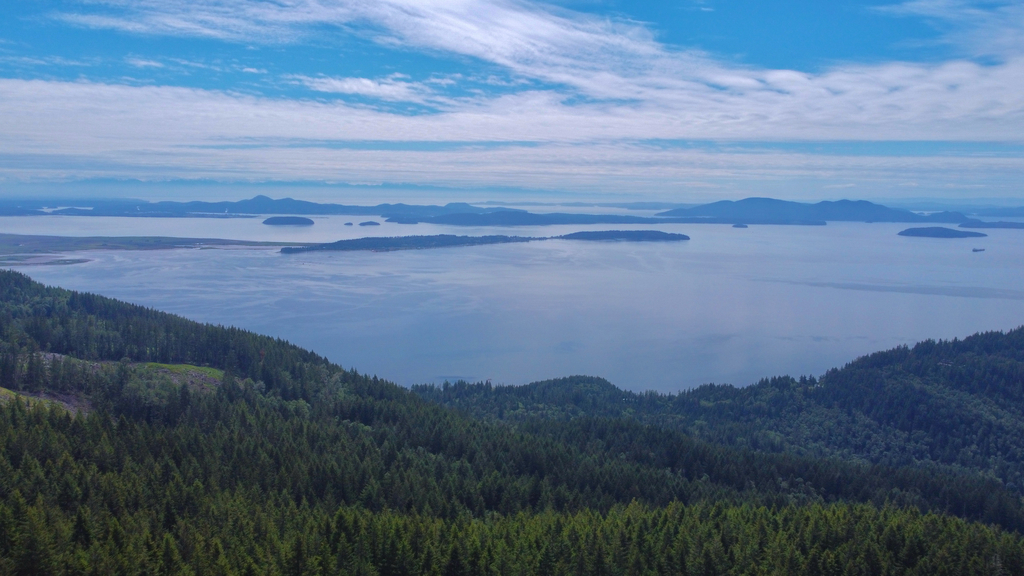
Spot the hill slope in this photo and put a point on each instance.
(958, 405)
(292, 464)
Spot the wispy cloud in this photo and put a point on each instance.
(979, 28)
(585, 89)
(36, 61)
(62, 130)
(143, 63)
(393, 88)
(577, 54)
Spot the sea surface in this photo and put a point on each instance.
(728, 306)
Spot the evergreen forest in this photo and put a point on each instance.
(138, 442)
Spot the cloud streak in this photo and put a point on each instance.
(392, 89)
(579, 88)
(990, 28)
(65, 130)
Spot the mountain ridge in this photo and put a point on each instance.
(829, 211)
(747, 211)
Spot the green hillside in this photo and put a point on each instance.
(956, 406)
(212, 450)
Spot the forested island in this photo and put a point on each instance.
(940, 232)
(392, 243)
(138, 442)
(626, 235)
(288, 221)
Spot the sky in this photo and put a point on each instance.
(672, 100)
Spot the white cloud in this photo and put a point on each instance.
(32, 61)
(143, 63)
(580, 55)
(392, 88)
(79, 130)
(585, 89)
(979, 28)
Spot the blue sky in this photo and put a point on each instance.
(685, 100)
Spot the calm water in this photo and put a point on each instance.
(731, 305)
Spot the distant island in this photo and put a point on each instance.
(369, 223)
(770, 210)
(747, 211)
(521, 218)
(288, 221)
(258, 205)
(392, 243)
(980, 224)
(940, 232)
(1015, 212)
(626, 235)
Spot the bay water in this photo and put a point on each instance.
(728, 306)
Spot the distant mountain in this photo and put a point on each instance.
(511, 218)
(253, 206)
(520, 218)
(769, 209)
(980, 224)
(1016, 212)
(748, 211)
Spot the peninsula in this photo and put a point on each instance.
(30, 244)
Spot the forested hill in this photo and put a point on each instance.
(137, 442)
(956, 404)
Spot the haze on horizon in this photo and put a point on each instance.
(350, 101)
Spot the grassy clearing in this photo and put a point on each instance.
(9, 395)
(186, 369)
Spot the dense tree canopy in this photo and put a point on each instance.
(956, 406)
(237, 454)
